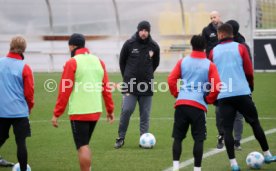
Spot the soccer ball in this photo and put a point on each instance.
(255, 160)
(16, 167)
(147, 140)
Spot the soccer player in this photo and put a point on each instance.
(237, 36)
(139, 58)
(236, 72)
(17, 99)
(210, 35)
(197, 73)
(84, 80)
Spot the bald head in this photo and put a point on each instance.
(215, 18)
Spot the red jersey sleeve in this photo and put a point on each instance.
(211, 54)
(65, 86)
(173, 77)
(247, 65)
(107, 95)
(28, 81)
(213, 78)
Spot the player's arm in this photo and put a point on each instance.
(107, 95)
(28, 81)
(211, 55)
(156, 58)
(173, 77)
(248, 50)
(247, 66)
(123, 58)
(65, 87)
(214, 79)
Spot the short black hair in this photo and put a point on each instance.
(77, 39)
(198, 43)
(226, 28)
(235, 25)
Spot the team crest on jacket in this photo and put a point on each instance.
(135, 51)
(213, 35)
(151, 53)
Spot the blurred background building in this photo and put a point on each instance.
(108, 23)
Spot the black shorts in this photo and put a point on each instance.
(21, 127)
(187, 115)
(229, 106)
(82, 132)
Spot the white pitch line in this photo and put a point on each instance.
(216, 151)
(137, 118)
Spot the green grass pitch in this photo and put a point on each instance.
(52, 149)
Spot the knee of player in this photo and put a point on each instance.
(127, 111)
(255, 123)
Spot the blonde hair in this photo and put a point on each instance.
(18, 44)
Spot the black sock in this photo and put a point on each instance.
(22, 153)
(177, 149)
(229, 142)
(198, 152)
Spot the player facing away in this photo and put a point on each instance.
(236, 71)
(199, 78)
(84, 81)
(210, 35)
(16, 99)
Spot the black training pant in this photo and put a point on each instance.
(183, 117)
(244, 104)
(21, 129)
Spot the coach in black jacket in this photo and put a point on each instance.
(139, 58)
(210, 32)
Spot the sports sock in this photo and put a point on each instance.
(175, 165)
(233, 162)
(267, 153)
(197, 168)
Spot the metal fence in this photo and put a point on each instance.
(113, 21)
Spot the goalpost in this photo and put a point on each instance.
(264, 34)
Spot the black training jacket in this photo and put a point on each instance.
(210, 35)
(138, 61)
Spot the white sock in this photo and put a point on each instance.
(267, 153)
(175, 165)
(197, 168)
(233, 162)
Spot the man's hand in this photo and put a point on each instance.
(54, 121)
(110, 118)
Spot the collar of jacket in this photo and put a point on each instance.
(138, 38)
(226, 40)
(82, 51)
(198, 54)
(15, 56)
(212, 27)
(239, 38)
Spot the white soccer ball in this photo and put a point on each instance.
(147, 140)
(16, 167)
(255, 160)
